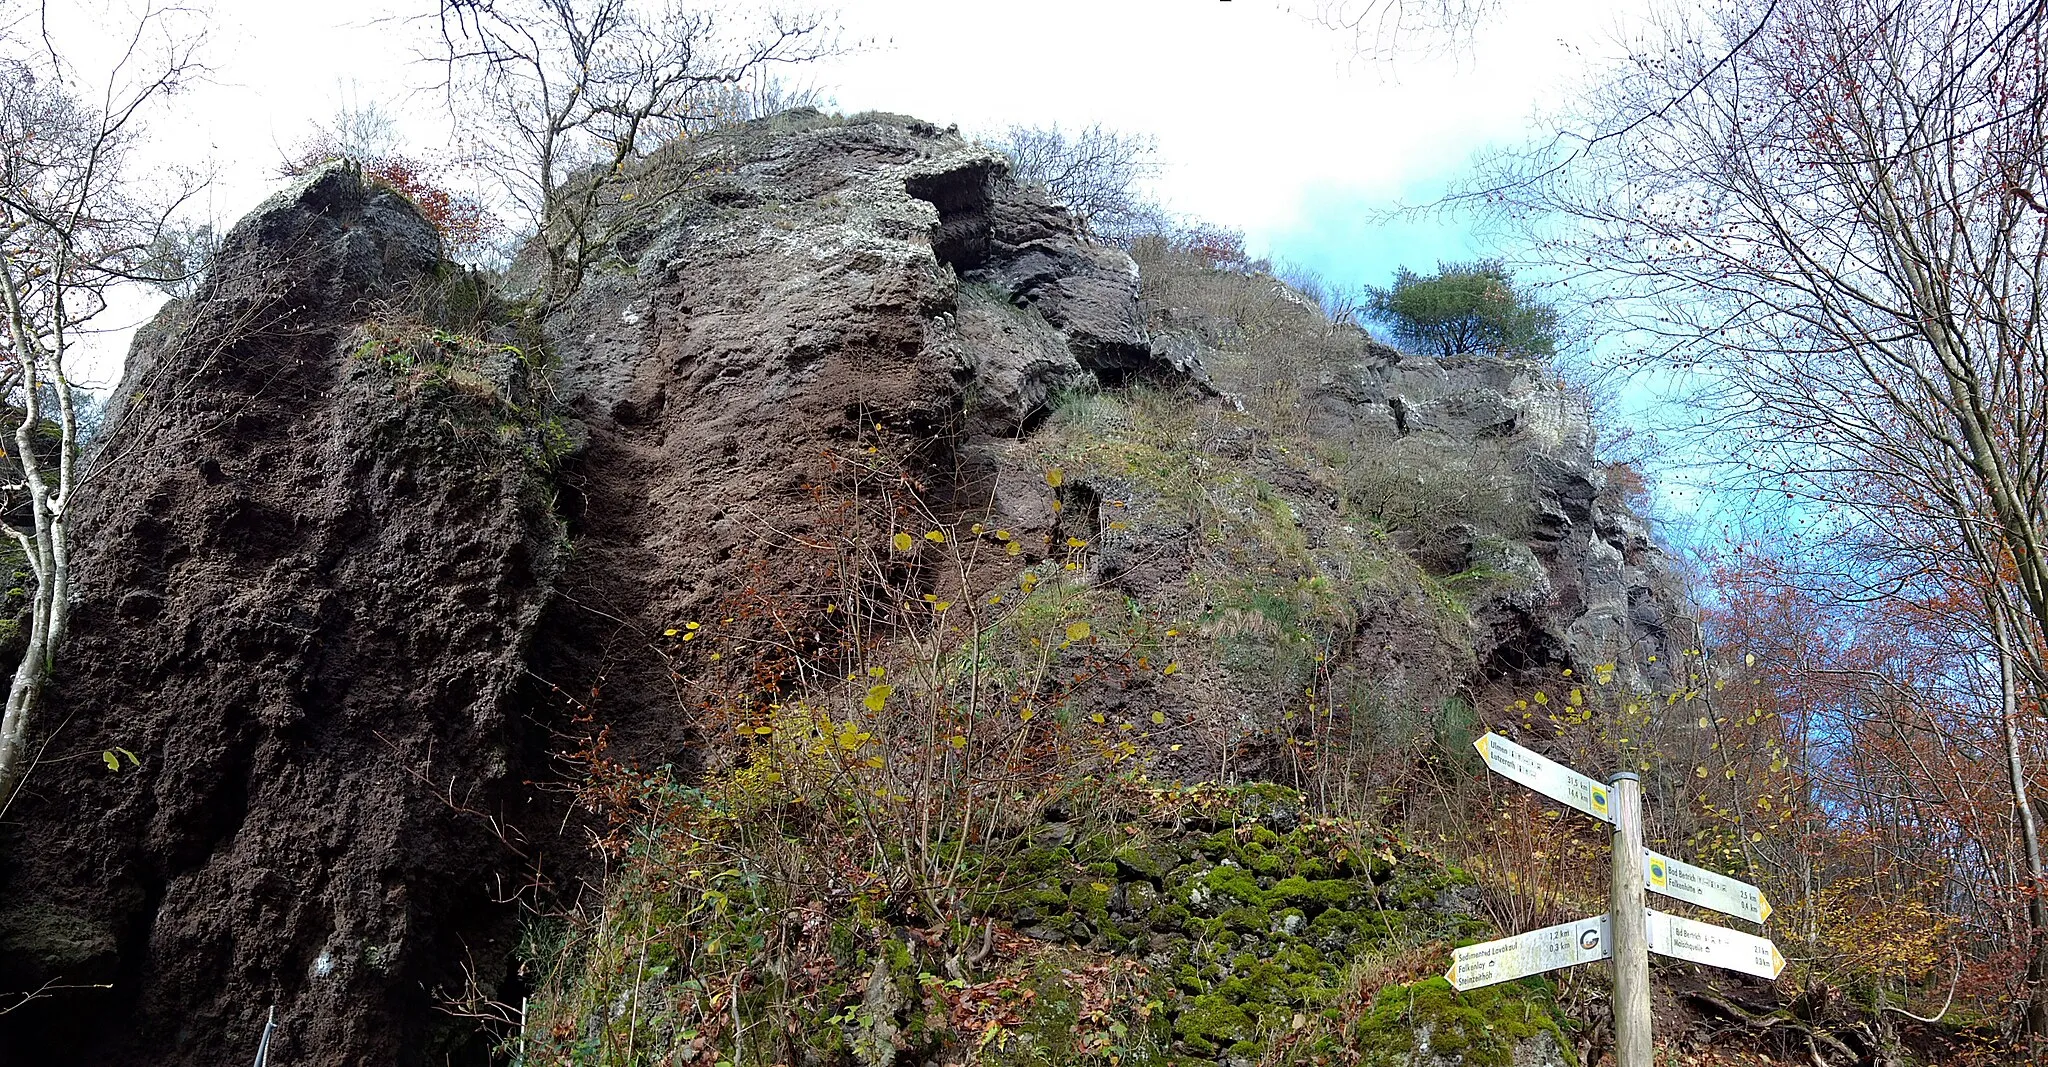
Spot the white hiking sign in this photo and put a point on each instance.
(1715, 946)
(1564, 945)
(1544, 775)
(1697, 885)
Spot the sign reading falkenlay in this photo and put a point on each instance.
(1563, 945)
(1544, 775)
(1715, 946)
(1697, 885)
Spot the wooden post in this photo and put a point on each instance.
(1628, 918)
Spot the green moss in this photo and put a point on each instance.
(1210, 1022)
(1150, 864)
(1479, 1028)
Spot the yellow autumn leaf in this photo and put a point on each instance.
(1158, 718)
(1078, 631)
(1055, 477)
(935, 537)
(1170, 668)
(1015, 547)
(1026, 714)
(901, 541)
(878, 695)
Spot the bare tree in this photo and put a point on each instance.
(1096, 173)
(568, 97)
(76, 223)
(1832, 212)
(1379, 29)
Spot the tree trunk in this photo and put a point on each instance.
(2037, 907)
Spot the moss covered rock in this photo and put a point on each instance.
(1430, 1024)
(1246, 914)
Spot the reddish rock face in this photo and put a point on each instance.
(334, 610)
(304, 600)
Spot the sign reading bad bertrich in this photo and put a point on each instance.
(1697, 885)
(1715, 946)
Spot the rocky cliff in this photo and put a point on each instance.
(369, 547)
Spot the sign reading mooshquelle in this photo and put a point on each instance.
(1563, 945)
(1697, 885)
(1544, 775)
(1715, 946)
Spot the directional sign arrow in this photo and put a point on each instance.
(1697, 885)
(1715, 946)
(1563, 945)
(1544, 775)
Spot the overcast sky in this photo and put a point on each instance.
(1266, 122)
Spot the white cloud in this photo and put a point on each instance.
(1259, 113)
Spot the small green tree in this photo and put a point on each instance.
(1463, 308)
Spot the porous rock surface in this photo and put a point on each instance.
(303, 601)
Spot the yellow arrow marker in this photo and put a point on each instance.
(1480, 744)
(1451, 975)
(1764, 903)
(1777, 963)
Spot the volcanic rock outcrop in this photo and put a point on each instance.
(366, 548)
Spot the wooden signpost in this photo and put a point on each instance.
(1630, 931)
